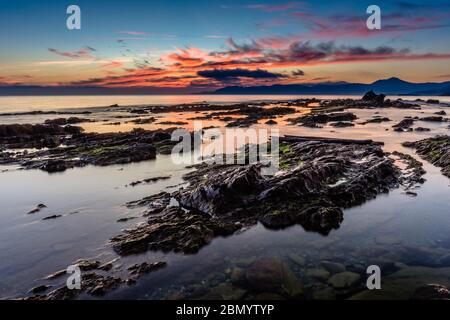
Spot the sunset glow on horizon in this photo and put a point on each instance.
(204, 45)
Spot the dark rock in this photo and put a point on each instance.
(34, 135)
(431, 292)
(125, 219)
(342, 124)
(86, 265)
(404, 125)
(155, 203)
(373, 97)
(271, 275)
(91, 283)
(344, 280)
(321, 118)
(64, 121)
(441, 113)
(317, 179)
(421, 129)
(435, 150)
(149, 180)
(175, 123)
(433, 119)
(174, 229)
(433, 101)
(52, 166)
(38, 208)
(415, 169)
(333, 267)
(39, 289)
(376, 120)
(143, 268)
(55, 216)
(92, 148)
(143, 120)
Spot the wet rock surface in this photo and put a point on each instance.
(314, 119)
(404, 125)
(138, 270)
(34, 135)
(317, 179)
(374, 98)
(149, 180)
(65, 121)
(435, 150)
(91, 283)
(68, 147)
(224, 207)
(431, 292)
(376, 119)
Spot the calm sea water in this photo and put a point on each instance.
(91, 199)
(33, 103)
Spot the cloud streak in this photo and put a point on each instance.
(83, 53)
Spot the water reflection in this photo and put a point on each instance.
(394, 230)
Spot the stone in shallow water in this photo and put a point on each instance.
(333, 267)
(318, 273)
(344, 280)
(267, 296)
(318, 179)
(321, 293)
(431, 292)
(237, 276)
(272, 275)
(297, 259)
(435, 150)
(224, 291)
(402, 284)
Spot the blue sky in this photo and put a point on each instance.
(175, 40)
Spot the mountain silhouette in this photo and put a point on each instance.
(392, 86)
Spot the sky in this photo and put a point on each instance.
(201, 45)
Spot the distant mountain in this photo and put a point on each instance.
(73, 90)
(392, 86)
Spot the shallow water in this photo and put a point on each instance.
(91, 199)
(45, 103)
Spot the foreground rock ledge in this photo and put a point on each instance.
(435, 150)
(316, 181)
(62, 147)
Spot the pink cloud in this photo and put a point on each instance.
(85, 53)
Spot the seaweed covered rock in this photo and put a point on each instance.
(404, 125)
(72, 148)
(34, 135)
(316, 180)
(435, 150)
(313, 119)
(91, 283)
(172, 230)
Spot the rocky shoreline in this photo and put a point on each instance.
(62, 147)
(435, 150)
(318, 179)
